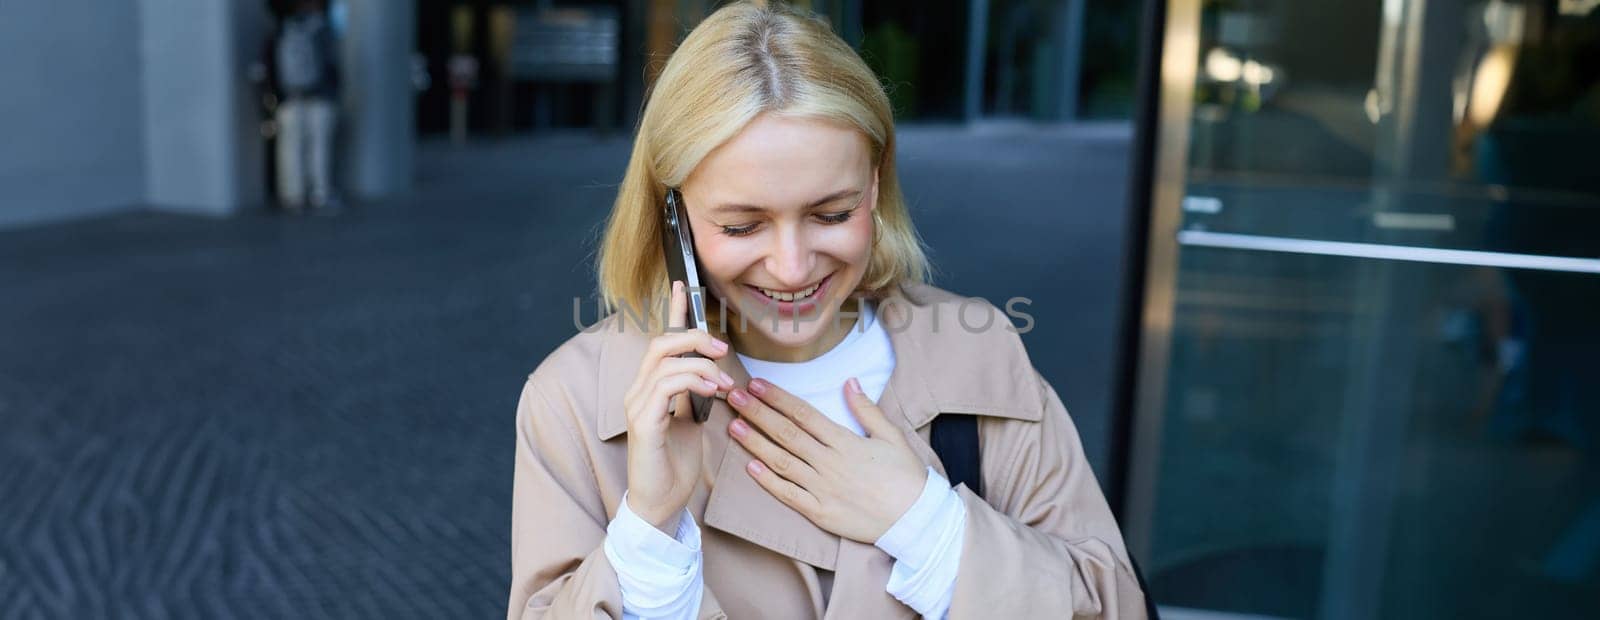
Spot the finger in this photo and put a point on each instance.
(796, 409)
(704, 368)
(678, 343)
(868, 413)
(678, 308)
(793, 438)
(777, 459)
(665, 391)
(682, 407)
(787, 492)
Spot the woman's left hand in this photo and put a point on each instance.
(855, 487)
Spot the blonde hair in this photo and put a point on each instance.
(745, 59)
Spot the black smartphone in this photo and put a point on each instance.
(678, 241)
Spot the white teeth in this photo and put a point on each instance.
(791, 296)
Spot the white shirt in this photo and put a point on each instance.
(865, 353)
(660, 577)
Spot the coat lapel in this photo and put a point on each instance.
(860, 588)
(739, 506)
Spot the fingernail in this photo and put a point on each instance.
(727, 380)
(719, 345)
(708, 384)
(758, 386)
(738, 427)
(677, 285)
(755, 467)
(853, 385)
(738, 397)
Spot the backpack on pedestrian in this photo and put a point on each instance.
(299, 57)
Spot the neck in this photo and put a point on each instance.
(752, 342)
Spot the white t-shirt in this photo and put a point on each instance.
(865, 353)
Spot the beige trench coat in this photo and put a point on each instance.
(1043, 545)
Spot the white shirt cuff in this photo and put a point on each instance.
(926, 546)
(659, 576)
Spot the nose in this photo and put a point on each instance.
(791, 260)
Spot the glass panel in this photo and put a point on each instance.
(1110, 53)
(1036, 60)
(1383, 386)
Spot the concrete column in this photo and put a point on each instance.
(71, 114)
(378, 108)
(202, 140)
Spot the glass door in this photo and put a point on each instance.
(1369, 377)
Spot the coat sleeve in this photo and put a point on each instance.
(559, 567)
(1044, 543)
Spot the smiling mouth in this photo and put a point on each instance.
(790, 296)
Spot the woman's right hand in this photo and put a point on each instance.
(665, 445)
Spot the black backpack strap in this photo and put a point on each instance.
(955, 440)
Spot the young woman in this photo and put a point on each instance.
(811, 491)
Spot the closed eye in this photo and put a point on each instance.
(739, 231)
(836, 218)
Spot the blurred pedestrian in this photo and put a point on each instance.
(303, 70)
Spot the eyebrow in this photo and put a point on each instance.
(744, 208)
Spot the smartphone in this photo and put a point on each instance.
(678, 241)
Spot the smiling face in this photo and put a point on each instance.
(782, 221)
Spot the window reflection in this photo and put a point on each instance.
(1399, 428)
